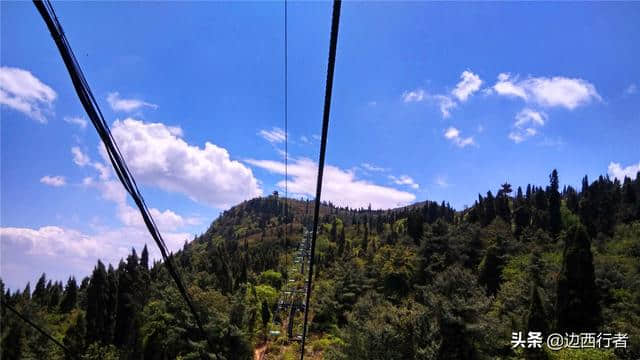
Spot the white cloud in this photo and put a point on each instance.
(453, 134)
(527, 115)
(52, 241)
(127, 105)
(22, 91)
(441, 181)
(631, 89)
(525, 125)
(341, 187)
(371, 167)
(404, 180)
(55, 181)
(549, 92)
(413, 96)
(76, 120)
(445, 103)
(158, 156)
(304, 139)
(468, 84)
(79, 157)
(274, 136)
(61, 250)
(617, 171)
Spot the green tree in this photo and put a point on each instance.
(536, 321)
(70, 296)
(266, 315)
(97, 299)
(553, 195)
(577, 307)
(74, 337)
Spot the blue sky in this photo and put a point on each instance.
(437, 101)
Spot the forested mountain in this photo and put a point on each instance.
(419, 282)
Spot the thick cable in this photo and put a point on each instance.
(40, 330)
(119, 165)
(333, 44)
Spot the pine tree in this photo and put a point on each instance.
(572, 199)
(70, 296)
(490, 269)
(341, 242)
(502, 203)
(521, 213)
(536, 322)
(39, 295)
(144, 258)
(365, 238)
(112, 302)
(555, 219)
(577, 307)
(74, 337)
(128, 303)
(489, 209)
(266, 315)
(97, 297)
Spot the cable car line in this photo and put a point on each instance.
(120, 167)
(335, 22)
(33, 325)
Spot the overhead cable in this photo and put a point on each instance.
(333, 44)
(119, 165)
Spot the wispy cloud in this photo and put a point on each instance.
(413, 96)
(617, 171)
(631, 89)
(23, 92)
(526, 125)
(55, 181)
(404, 180)
(127, 105)
(441, 181)
(76, 120)
(274, 136)
(371, 167)
(453, 135)
(340, 186)
(557, 91)
(79, 157)
(468, 84)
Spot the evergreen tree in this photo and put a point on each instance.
(555, 219)
(97, 299)
(128, 304)
(490, 269)
(572, 199)
(365, 238)
(144, 258)
(341, 242)
(577, 307)
(489, 209)
(112, 303)
(502, 203)
(266, 315)
(536, 322)
(70, 296)
(521, 213)
(74, 337)
(39, 295)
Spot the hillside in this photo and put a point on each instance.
(419, 282)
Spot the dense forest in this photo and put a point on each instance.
(419, 282)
